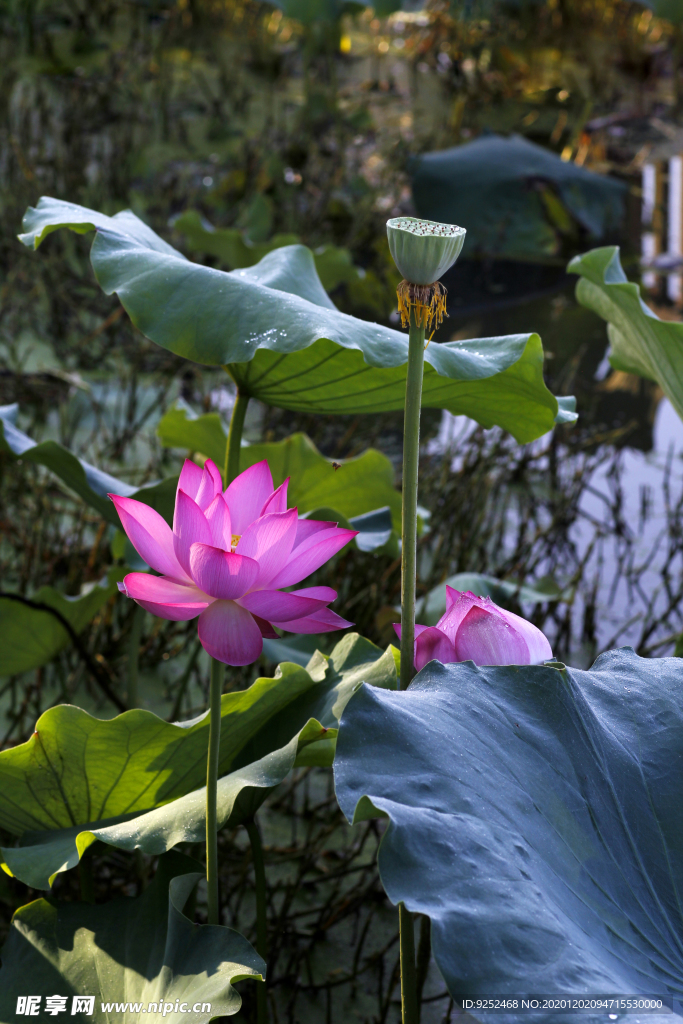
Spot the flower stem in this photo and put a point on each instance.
(132, 696)
(424, 955)
(232, 448)
(409, 1009)
(261, 913)
(86, 877)
(411, 456)
(217, 675)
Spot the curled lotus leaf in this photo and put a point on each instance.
(534, 816)
(137, 781)
(143, 950)
(276, 331)
(640, 343)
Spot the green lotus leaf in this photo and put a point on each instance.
(140, 950)
(137, 781)
(333, 264)
(31, 634)
(502, 592)
(352, 486)
(88, 482)
(275, 330)
(534, 817)
(640, 342)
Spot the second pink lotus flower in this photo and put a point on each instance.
(227, 558)
(475, 629)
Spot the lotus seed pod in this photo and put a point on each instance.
(423, 250)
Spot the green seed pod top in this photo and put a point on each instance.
(423, 250)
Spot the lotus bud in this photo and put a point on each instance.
(475, 629)
(423, 250)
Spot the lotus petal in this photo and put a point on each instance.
(222, 574)
(230, 634)
(247, 494)
(189, 527)
(149, 534)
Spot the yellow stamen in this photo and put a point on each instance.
(426, 303)
(236, 537)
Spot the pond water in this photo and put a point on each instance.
(626, 534)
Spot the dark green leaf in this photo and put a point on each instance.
(31, 636)
(640, 342)
(79, 779)
(140, 950)
(672, 10)
(534, 817)
(283, 341)
(514, 198)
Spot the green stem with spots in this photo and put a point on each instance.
(86, 877)
(411, 458)
(132, 694)
(410, 1013)
(230, 471)
(261, 914)
(232, 448)
(217, 676)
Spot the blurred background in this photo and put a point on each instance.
(544, 127)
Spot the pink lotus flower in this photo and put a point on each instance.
(475, 629)
(226, 559)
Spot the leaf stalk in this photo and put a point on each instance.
(261, 913)
(132, 692)
(232, 448)
(410, 1013)
(216, 687)
(411, 458)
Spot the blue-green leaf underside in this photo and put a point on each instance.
(277, 332)
(140, 950)
(534, 816)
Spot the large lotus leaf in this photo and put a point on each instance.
(142, 951)
(640, 342)
(502, 592)
(334, 265)
(512, 195)
(79, 779)
(89, 483)
(283, 341)
(534, 816)
(31, 636)
(352, 486)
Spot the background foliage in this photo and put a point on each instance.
(274, 129)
